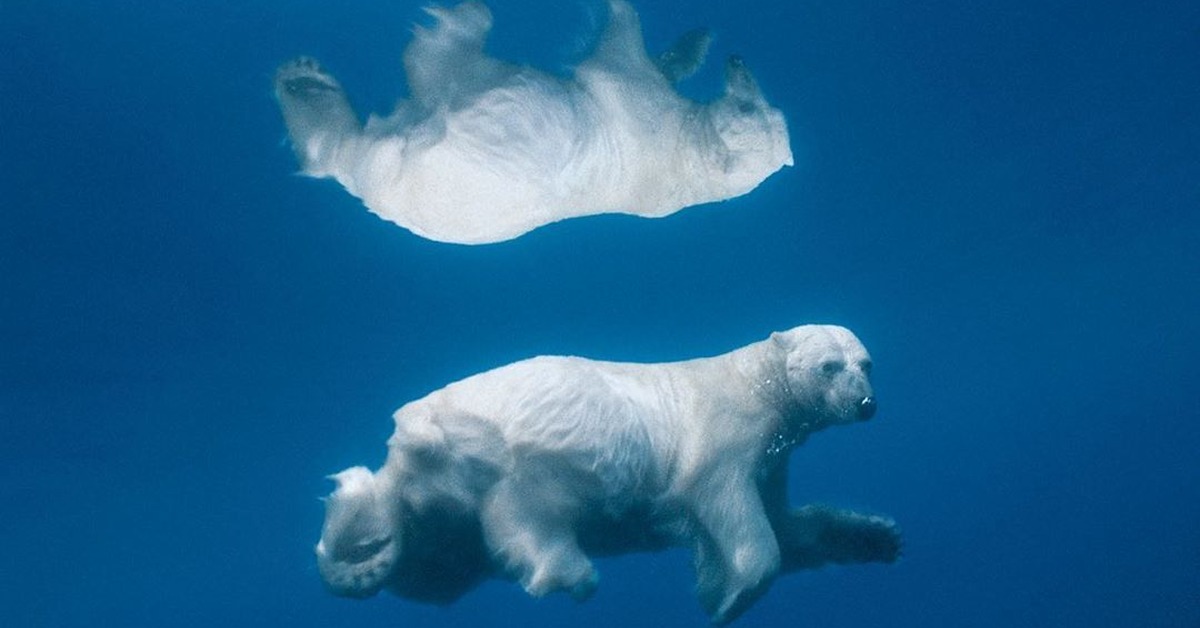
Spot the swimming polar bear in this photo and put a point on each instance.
(526, 470)
(484, 151)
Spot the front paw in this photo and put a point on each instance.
(852, 537)
(573, 574)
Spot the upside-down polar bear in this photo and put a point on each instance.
(526, 470)
(484, 151)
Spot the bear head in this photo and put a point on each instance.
(753, 135)
(828, 375)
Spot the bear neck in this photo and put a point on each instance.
(764, 369)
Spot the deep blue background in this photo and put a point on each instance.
(1000, 198)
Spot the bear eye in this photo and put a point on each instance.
(865, 365)
(831, 366)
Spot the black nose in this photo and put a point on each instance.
(866, 408)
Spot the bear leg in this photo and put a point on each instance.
(529, 526)
(686, 55)
(814, 535)
(738, 555)
(318, 116)
(360, 542)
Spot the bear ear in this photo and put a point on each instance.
(781, 339)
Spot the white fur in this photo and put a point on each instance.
(529, 468)
(485, 151)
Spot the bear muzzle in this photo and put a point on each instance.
(866, 408)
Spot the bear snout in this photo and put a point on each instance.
(866, 408)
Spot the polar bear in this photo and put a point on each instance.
(484, 151)
(526, 470)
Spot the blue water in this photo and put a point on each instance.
(1001, 198)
